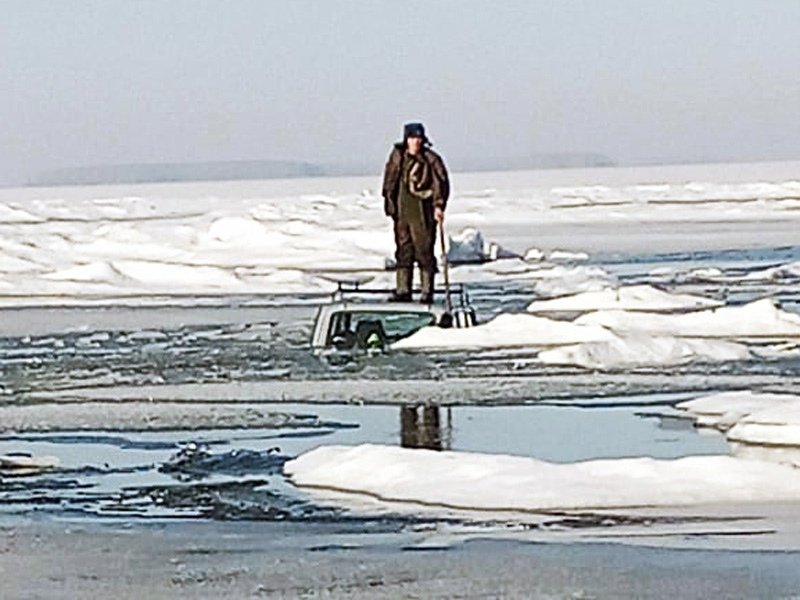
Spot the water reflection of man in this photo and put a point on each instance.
(421, 427)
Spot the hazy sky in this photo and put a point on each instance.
(106, 82)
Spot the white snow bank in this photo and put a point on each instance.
(500, 483)
(505, 331)
(642, 350)
(757, 319)
(635, 297)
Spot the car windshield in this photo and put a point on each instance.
(374, 328)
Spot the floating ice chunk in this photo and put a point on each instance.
(635, 297)
(562, 281)
(505, 331)
(775, 426)
(705, 274)
(16, 215)
(237, 230)
(724, 410)
(750, 417)
(696, 187)
(96, 272)
(121, 234)
(644, 350)
(469, 246)
(176, 277)
(781, 272)
(567, 256)
(533, 255)
(299, 228)
(499, 482)
(14, 264)
(289, 281)
(19, 464)
(267, 212)
(755, 320)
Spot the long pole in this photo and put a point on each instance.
(447, 302)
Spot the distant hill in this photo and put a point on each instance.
(156, 173)
(279, 169)
(566, 160)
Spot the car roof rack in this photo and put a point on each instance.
(345, 288)
(350, 284)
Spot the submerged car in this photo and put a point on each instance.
(354, 320)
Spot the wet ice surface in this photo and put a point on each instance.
(238, 474)
(255, 354)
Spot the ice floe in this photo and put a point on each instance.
(643, 350)
(505, 330)
(759, 319)
(755, 418)
(634, 298)
(775, 426)
(25, 464)
(491, 482)
(562, 280)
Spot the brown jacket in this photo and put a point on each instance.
(433, 178)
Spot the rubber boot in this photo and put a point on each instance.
(402, 292)
(426, 297)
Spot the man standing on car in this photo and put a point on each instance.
(415, 193)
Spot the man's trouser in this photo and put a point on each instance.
(414, 238)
